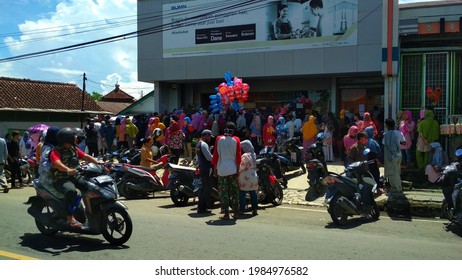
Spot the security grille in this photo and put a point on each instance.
(436, 69)
(420, 71)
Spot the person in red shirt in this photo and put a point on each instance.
(269, 133)
(64, 160)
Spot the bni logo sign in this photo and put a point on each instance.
(178, 7)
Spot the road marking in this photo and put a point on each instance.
(15, 256)
(395, 219)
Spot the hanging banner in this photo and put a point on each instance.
(207, 27)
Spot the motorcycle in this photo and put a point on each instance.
(26, 166)
(317, 168)
(139, 181)
(185, 182)
(274, 163)
(351, 196)
(96, 208)
(451, 182)
(269, 188)
(291, 156)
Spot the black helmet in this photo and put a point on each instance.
(80, 134)
(66, 135)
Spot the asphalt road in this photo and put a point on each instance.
(164, 232)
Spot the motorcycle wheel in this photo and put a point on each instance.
(116, 226)
(303, 168)
(336, 213)
(277, 194)
(261, 194)
(7, 173)
(26, 177)
(178, 198)
(375, 212)
(446, 211)
(46, 211)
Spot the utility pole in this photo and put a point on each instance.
(83, 100)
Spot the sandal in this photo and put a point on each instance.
(75, 224)
(224, 217)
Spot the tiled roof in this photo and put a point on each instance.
(30, 94)
(118, 95)
(114, 107)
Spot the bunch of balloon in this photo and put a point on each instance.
(233, 92)
(216, 104)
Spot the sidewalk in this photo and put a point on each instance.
(416, 201)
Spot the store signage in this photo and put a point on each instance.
(215, 27)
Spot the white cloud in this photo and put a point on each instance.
(66, 72)
(106, 63)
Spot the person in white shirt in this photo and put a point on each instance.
(290, 126)
(392, 155)
(226, 161)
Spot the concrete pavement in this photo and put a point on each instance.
(413, 201)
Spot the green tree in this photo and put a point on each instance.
(96, 96)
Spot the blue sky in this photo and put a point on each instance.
(104, 65)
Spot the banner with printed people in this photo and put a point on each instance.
(216, 27)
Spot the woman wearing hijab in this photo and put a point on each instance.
(248, 180)
(269, 137)
(45, 175)
(348, 141)
(122, 134)
(309, 132)
(131, 131)
(25, 144)
(175, 141)
(433, 170)
(189, 132)
(407, 127)
(282, 132)
(366, 122)
(429, 131)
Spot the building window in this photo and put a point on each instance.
(420, 71)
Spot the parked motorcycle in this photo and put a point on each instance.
(27, 171)
(317, 169)
(291, 156)
(97, 208)
(352, 196)
(451, 182)
(269, 188)
(274, 161)
(185, 182)
(139, 181)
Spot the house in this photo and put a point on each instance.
(143, 106)
(25, 102)
(116, 101)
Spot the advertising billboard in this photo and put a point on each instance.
(216, 27)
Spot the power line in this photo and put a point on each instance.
(212, 9)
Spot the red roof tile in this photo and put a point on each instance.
(25, 93)
(118, 95)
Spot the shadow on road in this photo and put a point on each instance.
(352, 223)
(63, 243)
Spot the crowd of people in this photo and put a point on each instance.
(239, 137)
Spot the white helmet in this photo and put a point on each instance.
(154, 150)
(156, 133)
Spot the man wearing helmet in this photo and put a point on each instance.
(64, 160)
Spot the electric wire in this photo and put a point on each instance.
(210, 10)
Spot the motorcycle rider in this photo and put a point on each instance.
(64, 160)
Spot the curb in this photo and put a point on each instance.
(417, 203)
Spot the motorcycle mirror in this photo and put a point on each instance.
(458, 152)
(366, 151)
